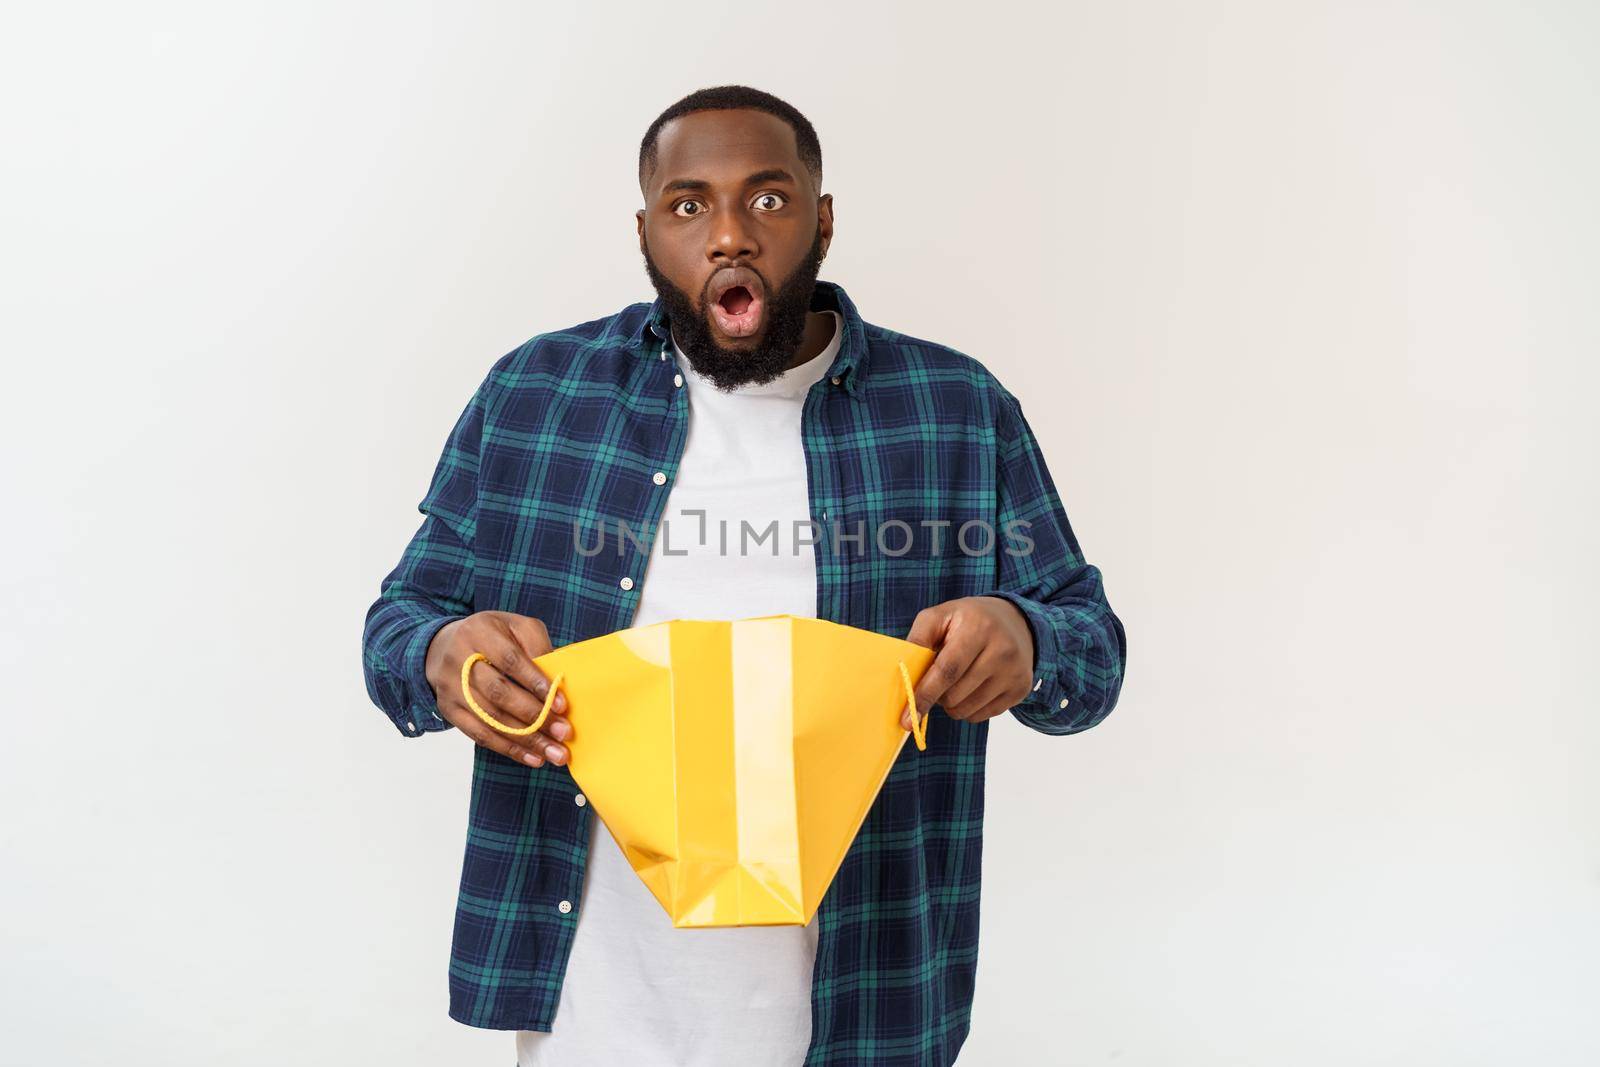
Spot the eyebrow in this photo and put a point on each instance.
(771, 174)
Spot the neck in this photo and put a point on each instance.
(819, 332)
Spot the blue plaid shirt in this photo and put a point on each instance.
(570, 430)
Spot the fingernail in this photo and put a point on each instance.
(531, 760)
(556, 753)
(560, 705)
(560, 730)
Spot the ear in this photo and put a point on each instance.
(639, 217)
(825, 220)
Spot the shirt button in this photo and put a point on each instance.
(836, 381)
(626, 583)
(1037, 682)
(677, 379)
(1063, 701)
(659, 478)
(565, 907)
(580, 800)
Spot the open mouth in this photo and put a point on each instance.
(737, 306)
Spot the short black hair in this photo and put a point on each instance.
(731, 98)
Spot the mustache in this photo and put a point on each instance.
(806, 265)
(767, 287)
(787, 307)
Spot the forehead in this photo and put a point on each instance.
(724, 146)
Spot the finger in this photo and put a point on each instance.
(928, 627)
(992, 689)
(531, 634)
(512, 651)
(514, 707)
(947, 668)
(979, 676)
(540, 744)
(999, 706)
(502, 698)
(462, 718)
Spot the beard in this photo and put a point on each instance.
(728, 368)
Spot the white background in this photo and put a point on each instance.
(1300, 299)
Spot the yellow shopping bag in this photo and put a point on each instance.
(734, 761)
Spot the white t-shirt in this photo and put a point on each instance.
(637, 990)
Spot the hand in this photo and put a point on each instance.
(507, 686)
(985, 658)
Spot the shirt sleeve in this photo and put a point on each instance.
(1079, 645)
(430, 587)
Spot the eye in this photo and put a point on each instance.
(681, 209)
(777, 200)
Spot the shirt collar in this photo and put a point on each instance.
(849, 366)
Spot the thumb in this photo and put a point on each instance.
(927, 629)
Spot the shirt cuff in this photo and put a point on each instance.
(1049, 702)
(422, 714)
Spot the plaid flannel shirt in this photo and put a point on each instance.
(571, 429)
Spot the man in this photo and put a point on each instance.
(887, 483)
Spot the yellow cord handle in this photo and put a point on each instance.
(524, 731)
(919, 723)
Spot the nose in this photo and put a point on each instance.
(731, 239)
